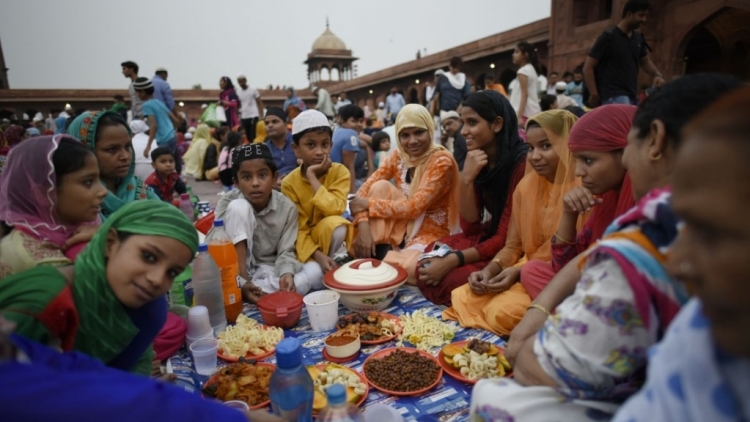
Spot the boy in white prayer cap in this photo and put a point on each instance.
(319, 188)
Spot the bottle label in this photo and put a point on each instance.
(232, 299)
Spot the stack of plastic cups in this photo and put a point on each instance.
(199, 326)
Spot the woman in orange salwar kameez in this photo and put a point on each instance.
(495, 298)
(420, 208)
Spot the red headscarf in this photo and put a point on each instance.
(605, 129)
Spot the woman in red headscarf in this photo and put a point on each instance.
(597, 141)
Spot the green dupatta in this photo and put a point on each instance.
(130, 188)
(104, 327)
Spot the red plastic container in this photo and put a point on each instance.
(281, 309)
(204, 224)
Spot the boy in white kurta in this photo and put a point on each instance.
(263, 226)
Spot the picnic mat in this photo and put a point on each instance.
(448, 401)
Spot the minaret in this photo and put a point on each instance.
(3, 70)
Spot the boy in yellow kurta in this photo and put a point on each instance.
(319, 189)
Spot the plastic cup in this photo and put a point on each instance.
(204, 355)
(237, 404)
(190, 340)
(322, 309)
(198, 323)
(379, 412)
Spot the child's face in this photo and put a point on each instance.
(256, 181)
(313, 147)
(354, 123)
(385, 144)
(141, 94)
(80, 195)
(142, 268)
(578, 77)
(164, 164)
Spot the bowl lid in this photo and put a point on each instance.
(364, 275)
(280, 302)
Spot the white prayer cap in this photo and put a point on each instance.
(191, 129)
(439, 72)
(444, 115)
(561, 86)
(241, 76)
(309, 119)
(188, 136)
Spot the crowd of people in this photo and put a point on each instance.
(606, 243)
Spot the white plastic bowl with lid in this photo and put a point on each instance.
(366, 284)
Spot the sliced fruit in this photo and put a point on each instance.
(314, 372)
(448, 360)
(351, 396)
(503, 361)
(500, 370)
(319, 401)
(452, 350)
(494, 350)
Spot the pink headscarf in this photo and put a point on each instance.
(28, 191)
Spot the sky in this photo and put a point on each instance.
(72, 44)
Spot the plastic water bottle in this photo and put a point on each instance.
(222, 250)
(291, 389)
(207, 288)
(186, 206)
(338, 410)
(176, 294)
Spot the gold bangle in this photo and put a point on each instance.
(561, 240)
(540, 307)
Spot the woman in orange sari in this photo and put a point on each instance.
(597, 141)
(420, 208)
(495, 298)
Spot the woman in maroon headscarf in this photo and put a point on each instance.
(229, 100)
(597, 141)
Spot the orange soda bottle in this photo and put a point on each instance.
(221, 249)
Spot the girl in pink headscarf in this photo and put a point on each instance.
(49, 188)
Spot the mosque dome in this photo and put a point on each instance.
(328, 41)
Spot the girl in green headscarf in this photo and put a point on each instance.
(107, 135)
(110, 304)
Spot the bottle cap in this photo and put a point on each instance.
(336, 394)
(288, 353)
(218, 223)
(202, 248)
(184, 196)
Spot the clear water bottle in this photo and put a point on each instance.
(338, 409)
(291, 388)
(207, 288)
(186, 206)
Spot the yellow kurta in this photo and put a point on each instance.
(319, 213)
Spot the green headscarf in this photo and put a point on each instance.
(105, 329)
(130, 188)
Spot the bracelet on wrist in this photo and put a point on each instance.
(460, 256)
(539, 307)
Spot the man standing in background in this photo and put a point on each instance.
(130, 71)
(162, 90)
(250, 106)
(611, 68)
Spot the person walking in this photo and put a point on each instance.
(130, 71)
(611, 68)
(251, 106)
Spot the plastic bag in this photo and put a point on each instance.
(221, 115)
(209, 116)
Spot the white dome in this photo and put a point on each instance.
(328, 41)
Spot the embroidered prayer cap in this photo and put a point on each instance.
(309, 119)
(142, 84)
(453, 114)
(250, 152)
